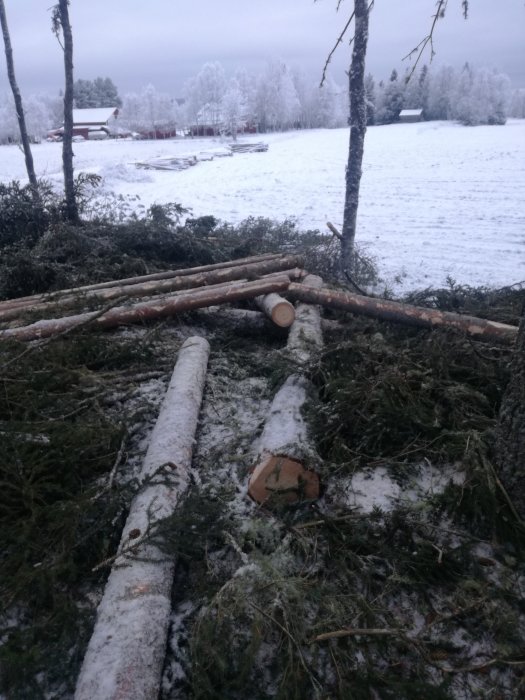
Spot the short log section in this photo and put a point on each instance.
(126, 652)
(281, 312)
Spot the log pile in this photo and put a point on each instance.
(257, 278)
(249, 147)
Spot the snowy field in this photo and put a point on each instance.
(437, 199)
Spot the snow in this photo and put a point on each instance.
(437, 198)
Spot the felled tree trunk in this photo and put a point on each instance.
(126, 652)
(159, 308)
(282, 472)
(404, 313)
(165, 286)
(510, 443)
(167, 274)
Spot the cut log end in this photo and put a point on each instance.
(282, 480)
(283, 314)
(278, 309)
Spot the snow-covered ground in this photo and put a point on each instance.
(437, 198)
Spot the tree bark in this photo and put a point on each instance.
(126, 652)
(357, 134)
(285, 452)
(510, 442)
(67, 145)
(166, 286)
(404, 313)
(19, 107)
(159, 308)
(166, 274)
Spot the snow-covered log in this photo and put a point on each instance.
(159, 308)
(404, 313)
(306, 333)
(285, 452)
(126, 652)
(165, 286)
(278, 309)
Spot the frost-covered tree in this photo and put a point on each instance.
(276, 103)
(232, 108)
(100, 92)
(149, 110)
(204, 95)
(390, 100)
(481, 97)
(371, 97)
(441, 89)
(517, 104)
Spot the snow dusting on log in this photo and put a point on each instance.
(126, 652)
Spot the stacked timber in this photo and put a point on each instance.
(259, 147)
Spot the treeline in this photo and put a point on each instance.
(471, 96)
(280, 98)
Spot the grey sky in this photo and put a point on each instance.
(166, 41)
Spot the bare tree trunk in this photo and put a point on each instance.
(357, 133)
(67, 146)
(18, 105)
(510, 444)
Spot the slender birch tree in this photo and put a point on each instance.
(358, 119)
(18, 106)
(62, 25)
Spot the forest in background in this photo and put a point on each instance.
(281, 98)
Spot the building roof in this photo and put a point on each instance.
(96, 115)
(410, 112)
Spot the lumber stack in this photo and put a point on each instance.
(249, 147)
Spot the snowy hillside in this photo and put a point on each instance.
(437, 199)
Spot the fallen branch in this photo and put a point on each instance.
(159, 308)
(404, 313)
(126, 652)
(358, 631)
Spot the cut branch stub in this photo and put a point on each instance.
(280, 479)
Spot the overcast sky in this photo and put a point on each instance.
(164, 42)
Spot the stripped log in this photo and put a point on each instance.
(126, 652)
(152, 287)
(250, 264)
(159, 308)
(281, 471)
(254, 321)
(404, 313)
(278, 309)
(166, 274)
